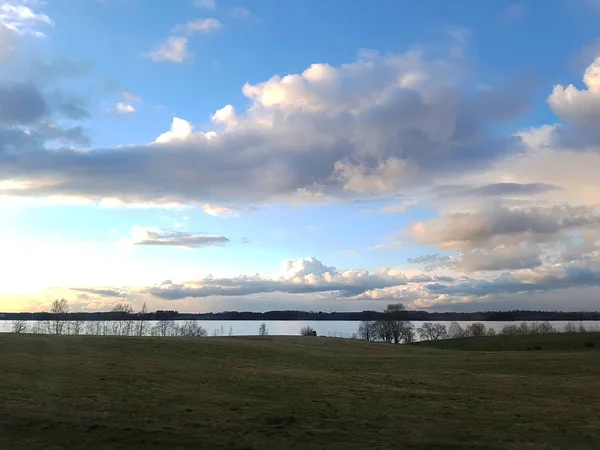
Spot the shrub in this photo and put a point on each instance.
(307, 331)
(589, 344)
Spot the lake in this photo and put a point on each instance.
(341, 329)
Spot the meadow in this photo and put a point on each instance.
(83, 392)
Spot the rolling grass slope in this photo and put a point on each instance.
(552, 342)
(290, 392)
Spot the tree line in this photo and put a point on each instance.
(420, 316)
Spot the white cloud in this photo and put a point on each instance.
(579, 106)
(205, 4)
(20, 18)
(124, 108)
(199, 26)
(239, 12)
(174, 49)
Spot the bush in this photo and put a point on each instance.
(589, 344)
(307, 331)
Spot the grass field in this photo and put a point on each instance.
(291, 392)
(544, 342)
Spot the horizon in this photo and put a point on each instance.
(257, 156)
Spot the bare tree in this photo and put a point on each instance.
(432, 331)
(367, 330)
(490, 332)
(570, 327)
(121, 325)
(455, 331)
(19, 327)
(57, 324)
(546, 327)
(476, 329)
(263, 330)
(510, 330)
(394, 327)
(76, 327)
(192, 328)
(141, 327)
(164, 328)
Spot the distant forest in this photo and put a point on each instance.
(503, 316)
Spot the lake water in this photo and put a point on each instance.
(339, 329)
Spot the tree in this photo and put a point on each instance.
(476, 329)
(141, 327)
(490, 332)
(524, 328)
(122, 326)
(191, 328)
(570, 328)
(510, 330)
(164, 328)
(432, 331)
(455, 331)
(307, 331)
(546, 327)
(263, 330)
(19, 327)
(394, 327)
(367, 330)
(57, 324)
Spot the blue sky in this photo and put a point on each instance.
(180, 154)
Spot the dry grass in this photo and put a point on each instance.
(290, 392)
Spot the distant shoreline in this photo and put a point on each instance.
(491, 316)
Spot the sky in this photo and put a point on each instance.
(211, 155)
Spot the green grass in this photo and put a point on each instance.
(290, 392)
(535, 342)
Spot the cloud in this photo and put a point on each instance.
(579, 109)
(48, 71)
(499, 258)
(376, 125)
(124, 108)
(21, 103)
(165, 237)
(241, 13)
(205, 4)
(174, 49)
(501, 225)
(495, 190)
(20, 18)
(513, 13)
(199, 26)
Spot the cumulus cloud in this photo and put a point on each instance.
(174, 49)
(304, 276)
(579, 109)
(124, 108)
(166, 237)
(373, 126)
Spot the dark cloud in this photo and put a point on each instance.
(74, 109)
(102, 292)
(181, 239)
(45, 72)
(495, 190)
(21, 104)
